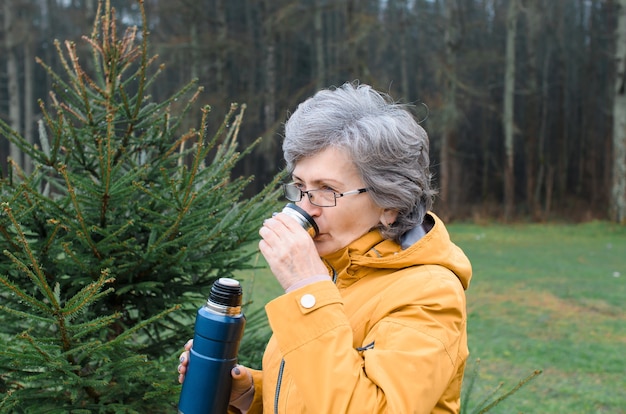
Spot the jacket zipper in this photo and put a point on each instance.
(281, 370)
(278, 382)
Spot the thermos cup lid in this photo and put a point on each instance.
(226, 292)
(305, 220)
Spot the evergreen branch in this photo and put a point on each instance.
(17, 169)
(180, 142)
(79, 80)
(105, 168)
(77, 260)
(195, 167)
(7, 236)
(172, 182)
(74, 111)
(469, 386)
(79, 216)
(21, 294)
(52, 236)
(87, 295)
(109, 37)
(225, 125)
(481, 406)
(64, 334)
(188, 105)
(182, 210)
(513, 390)
(150, 81)
(4, 229)
(37, 276)
(148, 121)
(112, 237)
(128, 333)
(57, 79)
(139, 75)
(129, 52)
(153, 286)
(14, 137)
(63, 127)
(32, 189)
(7, 403)
(95, 47)
(152, 194)
(237, 123)
(93, 325)
(61, 86)
(84, 158)
(56, 133)
(21, 314)
(46, 356)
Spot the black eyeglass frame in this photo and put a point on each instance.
(308, 194)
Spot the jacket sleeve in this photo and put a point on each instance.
(417, 330)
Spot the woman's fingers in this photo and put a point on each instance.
(242, 381)
(184, 361)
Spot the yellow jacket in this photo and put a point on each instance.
(389, 336)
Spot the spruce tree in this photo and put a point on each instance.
(113, 241)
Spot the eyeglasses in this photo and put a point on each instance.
(320, 198)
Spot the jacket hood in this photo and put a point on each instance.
(372, 251)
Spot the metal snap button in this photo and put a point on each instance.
(307, 301)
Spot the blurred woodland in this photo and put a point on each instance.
(524, 100)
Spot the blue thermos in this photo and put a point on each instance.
(218, 331)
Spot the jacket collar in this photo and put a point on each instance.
(372, 253)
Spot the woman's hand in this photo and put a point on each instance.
(184, 361)
(290, 251)
(242, 378)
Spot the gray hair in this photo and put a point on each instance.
(385, 142)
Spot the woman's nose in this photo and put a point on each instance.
(309, 207)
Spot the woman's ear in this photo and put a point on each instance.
(388, 217)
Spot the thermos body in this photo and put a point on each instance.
(218, 331)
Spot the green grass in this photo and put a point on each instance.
(546, 297)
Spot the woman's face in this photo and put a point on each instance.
(353, 216)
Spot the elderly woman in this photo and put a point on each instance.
(373, 318)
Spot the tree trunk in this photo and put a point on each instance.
(509, 112)
(222, 52)
(194, 48)
(543, 158)
(404, 54)
(11, 40)
(29, 109)
(534, 18)
(618, 190)
(318, 40)
(269, 64)
(449, 185)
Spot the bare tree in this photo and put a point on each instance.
(318, 39)
(269, 64)
(222, 53)
(449, 191)
(534, 13)
(11, 39)
(509, 105)
(618, 190)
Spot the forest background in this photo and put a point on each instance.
(518, 96)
